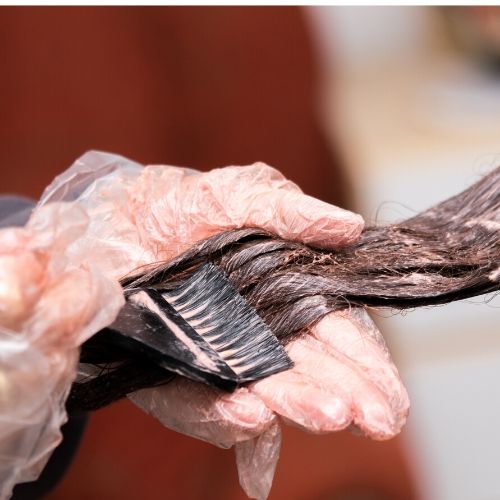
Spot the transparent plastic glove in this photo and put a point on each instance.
(173, 208)
(139, 216)
(51, 300)
(206, 413)
(343, 376)
(257, 459)
(142, 215)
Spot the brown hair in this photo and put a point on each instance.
(447, 253)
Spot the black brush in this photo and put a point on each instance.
(203, 330)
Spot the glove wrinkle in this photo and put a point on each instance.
(105, 217)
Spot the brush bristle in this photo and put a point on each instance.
(212, 306)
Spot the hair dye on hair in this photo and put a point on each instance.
(446, 253)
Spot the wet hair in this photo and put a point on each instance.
(447, 253)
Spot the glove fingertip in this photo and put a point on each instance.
(315, 222)
(256, 460)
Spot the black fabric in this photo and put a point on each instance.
(14, 210)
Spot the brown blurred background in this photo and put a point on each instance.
(203, 87)
(200, 87)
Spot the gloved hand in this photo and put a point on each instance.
(343, 374)
(51, 301)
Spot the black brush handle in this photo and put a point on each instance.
(139, 334)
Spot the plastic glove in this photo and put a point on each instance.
(343, 374)
(139, 216)
(142, 215)
(51, 300)
(343, 377)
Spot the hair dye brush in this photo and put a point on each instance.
(203, 330)
(449, 252)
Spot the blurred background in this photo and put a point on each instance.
(383, 110)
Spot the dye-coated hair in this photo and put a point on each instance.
(447, 253)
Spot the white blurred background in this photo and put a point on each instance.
(417, 118)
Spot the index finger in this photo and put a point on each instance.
(297, 216)
(260, 196)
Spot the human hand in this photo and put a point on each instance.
(342, 375)
(343, 378)
(142, 215)
(51, 301)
